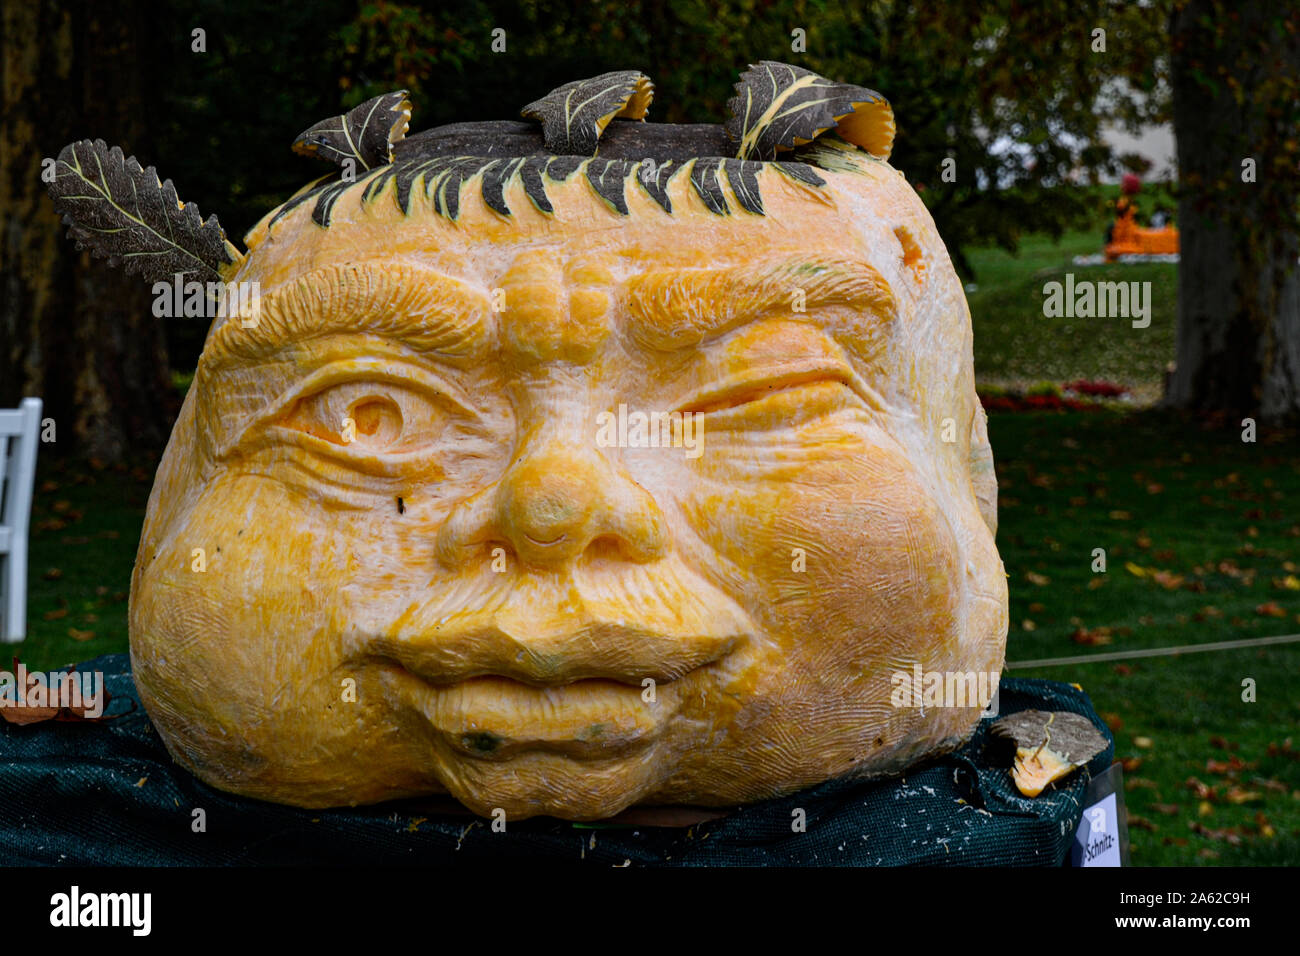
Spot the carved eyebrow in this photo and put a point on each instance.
(676, 308)
(422, 308)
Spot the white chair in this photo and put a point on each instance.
(19, 432)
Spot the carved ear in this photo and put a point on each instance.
(122, 213)
(778, 107)
(366, 134)
(574, 115)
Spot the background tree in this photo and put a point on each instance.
(1009, 96)
(214, 113)
(77, 334)
(1015, 94)
(1236, 81)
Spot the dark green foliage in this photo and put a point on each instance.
(224, 116)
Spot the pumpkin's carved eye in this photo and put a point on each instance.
(375, 418)
(367, 416)
(746, 390)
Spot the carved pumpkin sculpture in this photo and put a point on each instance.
(1127, 238)
(442, 551)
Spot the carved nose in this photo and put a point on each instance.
(550, 507)
(544, 507)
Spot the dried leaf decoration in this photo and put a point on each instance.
(35, 714)
(124, 214)
(778, 107)
(365, 135)
(574, 115)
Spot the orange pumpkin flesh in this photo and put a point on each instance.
(471, 595)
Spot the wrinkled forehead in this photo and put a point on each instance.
(854, 264)
(673, 273)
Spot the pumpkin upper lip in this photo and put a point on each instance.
(593, 649)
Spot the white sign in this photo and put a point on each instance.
(1096, 842)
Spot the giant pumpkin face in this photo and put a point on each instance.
(444, 553)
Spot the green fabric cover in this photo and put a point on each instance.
(70, 793)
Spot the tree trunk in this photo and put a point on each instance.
(73, 331)
(1234, 85)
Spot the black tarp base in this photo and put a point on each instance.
(107, 793)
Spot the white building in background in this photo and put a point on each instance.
(1155, 143)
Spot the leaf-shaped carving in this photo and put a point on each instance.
(778, 106)
(654, 179)
(530, 174)
(743, 177)
(708, 186)
(574, 115)
(608, 178)
(495, 177)
(801, 173)
(122, 213)
(366, 134)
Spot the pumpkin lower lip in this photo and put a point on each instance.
(495, 718)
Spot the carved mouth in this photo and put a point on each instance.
(545, 544)
(581, 663)
(597, 690)
(494, 718)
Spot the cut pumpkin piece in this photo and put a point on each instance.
(1035, 769)
(870, 126)
(1049, 745)
(122, 212)
(574, 115)
(778, 107)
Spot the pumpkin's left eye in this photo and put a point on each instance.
(745, 390)
(367, 416)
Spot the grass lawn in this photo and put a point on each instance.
(1200, 530)
(85, 528)
(1015, 344)
(1202, 543)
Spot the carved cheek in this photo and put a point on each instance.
(242, 625)
(246, 658)
(854, 561)
(245, 604)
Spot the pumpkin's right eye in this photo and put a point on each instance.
(367, 416)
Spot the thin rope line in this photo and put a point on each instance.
(1157, 651)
